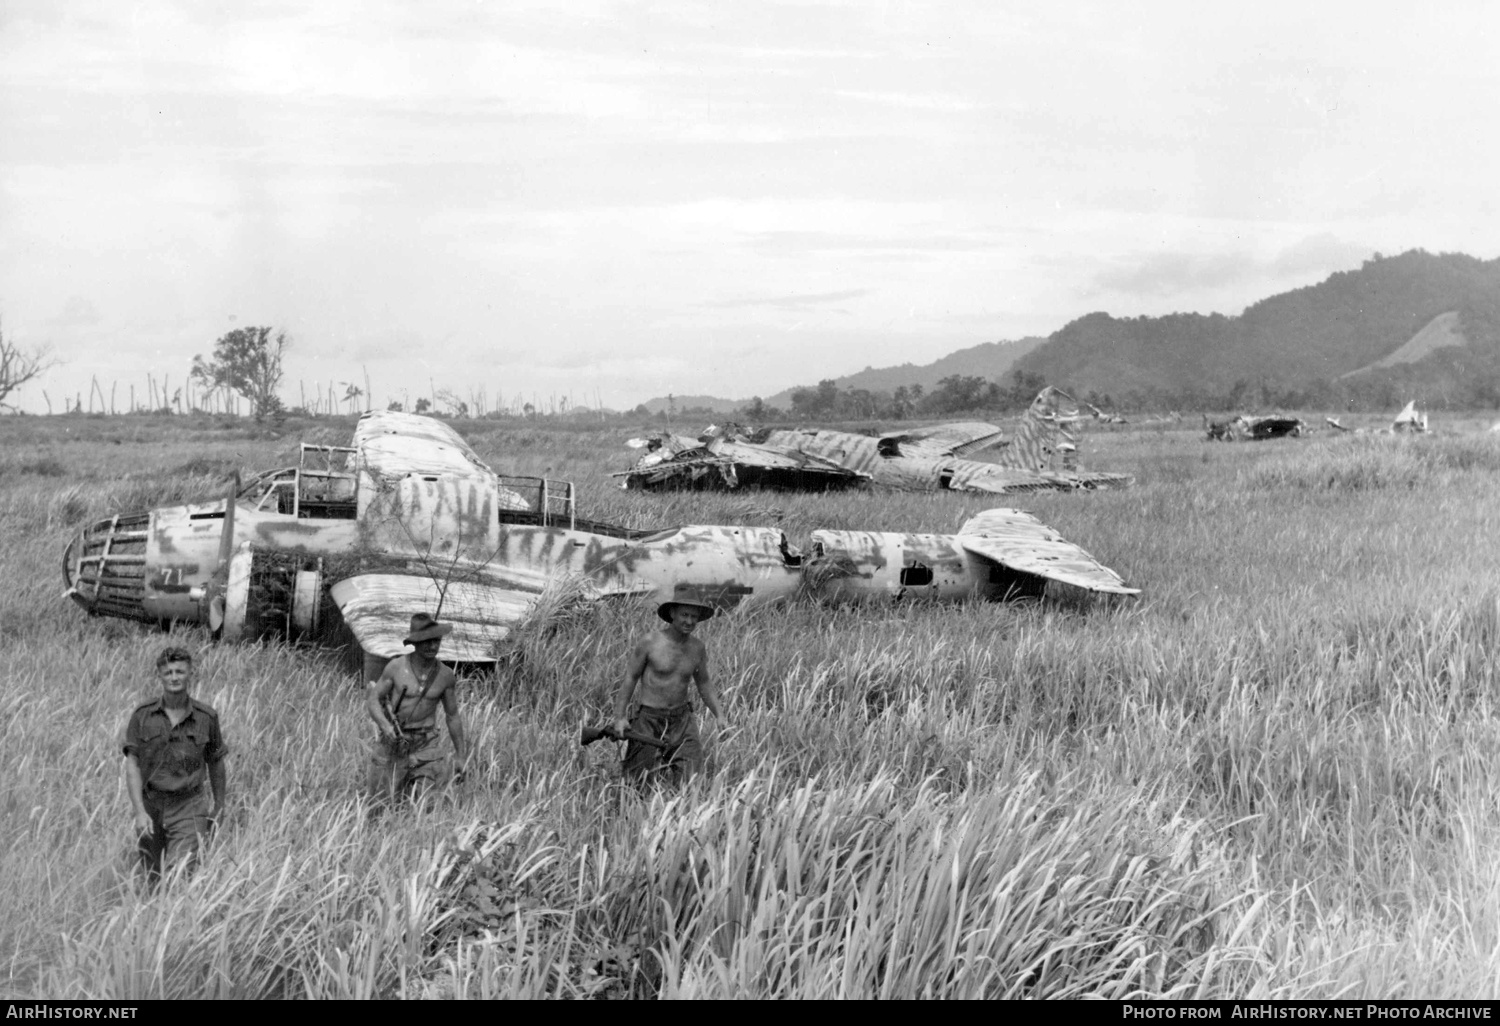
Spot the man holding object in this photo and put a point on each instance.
(404, 703)
(663, 666)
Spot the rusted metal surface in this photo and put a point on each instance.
(1042, 455)
(432, 529)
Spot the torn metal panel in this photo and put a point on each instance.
(718, 460)
(897, 564)
(961, 439)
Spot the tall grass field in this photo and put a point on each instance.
(1275, 774)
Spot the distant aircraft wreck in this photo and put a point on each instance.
(920, 459)
(1407, 422)
(1253, 429)
(408, 518)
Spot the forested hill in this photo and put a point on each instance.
(1310, 346)
(989, 360)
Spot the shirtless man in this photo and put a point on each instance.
(404, 703)
(663, 665)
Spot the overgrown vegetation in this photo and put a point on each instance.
(1274, 775)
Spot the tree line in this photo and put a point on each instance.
(248, 363)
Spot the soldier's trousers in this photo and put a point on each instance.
(180, 823)
(683, 754)
(395, 767)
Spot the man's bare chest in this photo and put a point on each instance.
(668, 660)
(414, 695)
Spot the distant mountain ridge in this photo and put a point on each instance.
(1352, 325)
(988, 360)
(1417, 325)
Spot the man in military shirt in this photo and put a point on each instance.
(172, 747)
(404, 703)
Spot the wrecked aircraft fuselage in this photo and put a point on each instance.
(409, 519)
(1041, 455)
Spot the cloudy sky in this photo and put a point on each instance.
(620, 200)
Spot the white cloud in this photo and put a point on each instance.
(565, 193)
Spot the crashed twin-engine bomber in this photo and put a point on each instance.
(408, 518)
(921, 459)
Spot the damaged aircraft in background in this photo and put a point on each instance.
(1253, 429)
(408, 518)
(1041, 455)
(1407, 422)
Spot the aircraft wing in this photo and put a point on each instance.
(958, 439)
(378, 609)
(1021, 542)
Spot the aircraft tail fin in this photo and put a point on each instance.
(1041, 432)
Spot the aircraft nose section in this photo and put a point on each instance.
(104, 567)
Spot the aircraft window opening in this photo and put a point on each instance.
(916, 576)
(326, 495)
(790, 557)
(279, 496)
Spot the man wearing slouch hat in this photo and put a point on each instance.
(659, 676)
(404, 703)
